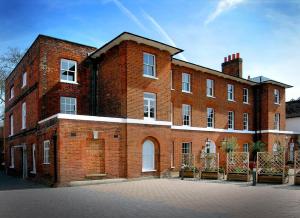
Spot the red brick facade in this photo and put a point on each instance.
(106, 137)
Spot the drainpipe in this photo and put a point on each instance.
(54, 137)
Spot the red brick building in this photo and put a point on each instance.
(129, 109)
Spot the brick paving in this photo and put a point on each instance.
(153, 198)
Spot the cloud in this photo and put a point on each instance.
(128, 13)
(162, 32)
(223, 5)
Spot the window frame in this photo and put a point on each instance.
(46, 152)
(231, 121)
(230, 92)
(75, 72)
(189, 148)
(11, 123)
(149, 104)
(189, 115)
(61, 97)
(276, 96)
(33, 171)
(208, 89)
(12, 157)
(277, 121)
(24, 79)
(148, 65)
(245, 121)
(11, 92)
(247, 146)
(246, 96)
(188, 83)
(210, 111)
(144, 155)
(24, 115)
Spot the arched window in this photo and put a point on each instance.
(210, 147)
(148, 156)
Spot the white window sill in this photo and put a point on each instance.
(277, 104)
(186, 125)
(187, 92)
(23, 128)
(33, 172)
(69, 82)
(11, 167)
(150, 77)
(210, 96)
(10, 98)
(172, 167)
(246, 103)
(230, 128)
(210, 127)
(145, 171)
(11, 135)
(172, 89)
(231, 100)
(149, 119)
(23, 87)
(46, 163)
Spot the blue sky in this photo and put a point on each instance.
(265, 32)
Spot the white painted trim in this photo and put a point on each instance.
(278, 132)
(211, 129)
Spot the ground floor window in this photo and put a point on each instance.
(12, 157)
(46, 152)
(148, 156)
(210, 147)
(186, 147)
(245, 147)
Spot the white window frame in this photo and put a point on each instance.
(24, 115)
(149, 65)
(65, 103)
(33, 171)
(245, 96)
(210, 88)
(11, 92)
(210, 120)
(276, 96)
(230, 92)
(46, 149)
(149, 100)
(75, 72)
(277, 121)
(231, 120)
(186, 147)
(12, 157)
(245, 121)
(188, 82)
(186, 112)
(11, 121)
(24, 79)
(246, 145)
(144, 154)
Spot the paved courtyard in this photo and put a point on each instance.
(149, 198)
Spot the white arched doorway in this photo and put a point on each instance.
(210, 147)
(148, 157)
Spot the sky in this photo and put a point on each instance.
(266, 33)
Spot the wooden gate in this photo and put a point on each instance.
(237, 166)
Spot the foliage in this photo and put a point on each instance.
(190, 168)
(230, 145)
(257, 146)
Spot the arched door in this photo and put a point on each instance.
(148, 156)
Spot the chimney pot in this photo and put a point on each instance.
(229, 57)
(225, 59)
(237, 55)
(233, 56)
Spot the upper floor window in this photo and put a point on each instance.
(186, 115)
(245, 121)
(276, 96)
(24, 115)
(47, 152)
(24, 79)
(186, 147)
(68, 105)
(230, 120)
(210, 117)
(149, 105)
(68, 71)
(245, 147)
(277, 121)
(245, 95)
(149, 65)
(209, 88)
(11, 92)
(11, 121)
(186, 82)
(230, 92)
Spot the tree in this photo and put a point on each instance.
(8, 61)
(257, 146)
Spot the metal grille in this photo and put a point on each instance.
(238, 162)
(297, 163)
(271, 163)
(209, 162)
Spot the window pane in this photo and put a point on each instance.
(71, 66)
(64, 65)
(64, 75)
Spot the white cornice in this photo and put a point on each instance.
(191, 128)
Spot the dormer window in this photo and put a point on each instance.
(68, 71)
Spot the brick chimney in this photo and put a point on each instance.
(233, 65)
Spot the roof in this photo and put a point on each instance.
(293, 109)
(140, 39)
(262, 79)
(211, 71)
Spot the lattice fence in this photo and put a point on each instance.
(297, 167)
(238, 162)
(271, 164)
(188, 160)
(209, 162)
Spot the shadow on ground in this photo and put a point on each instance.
(13, 183)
